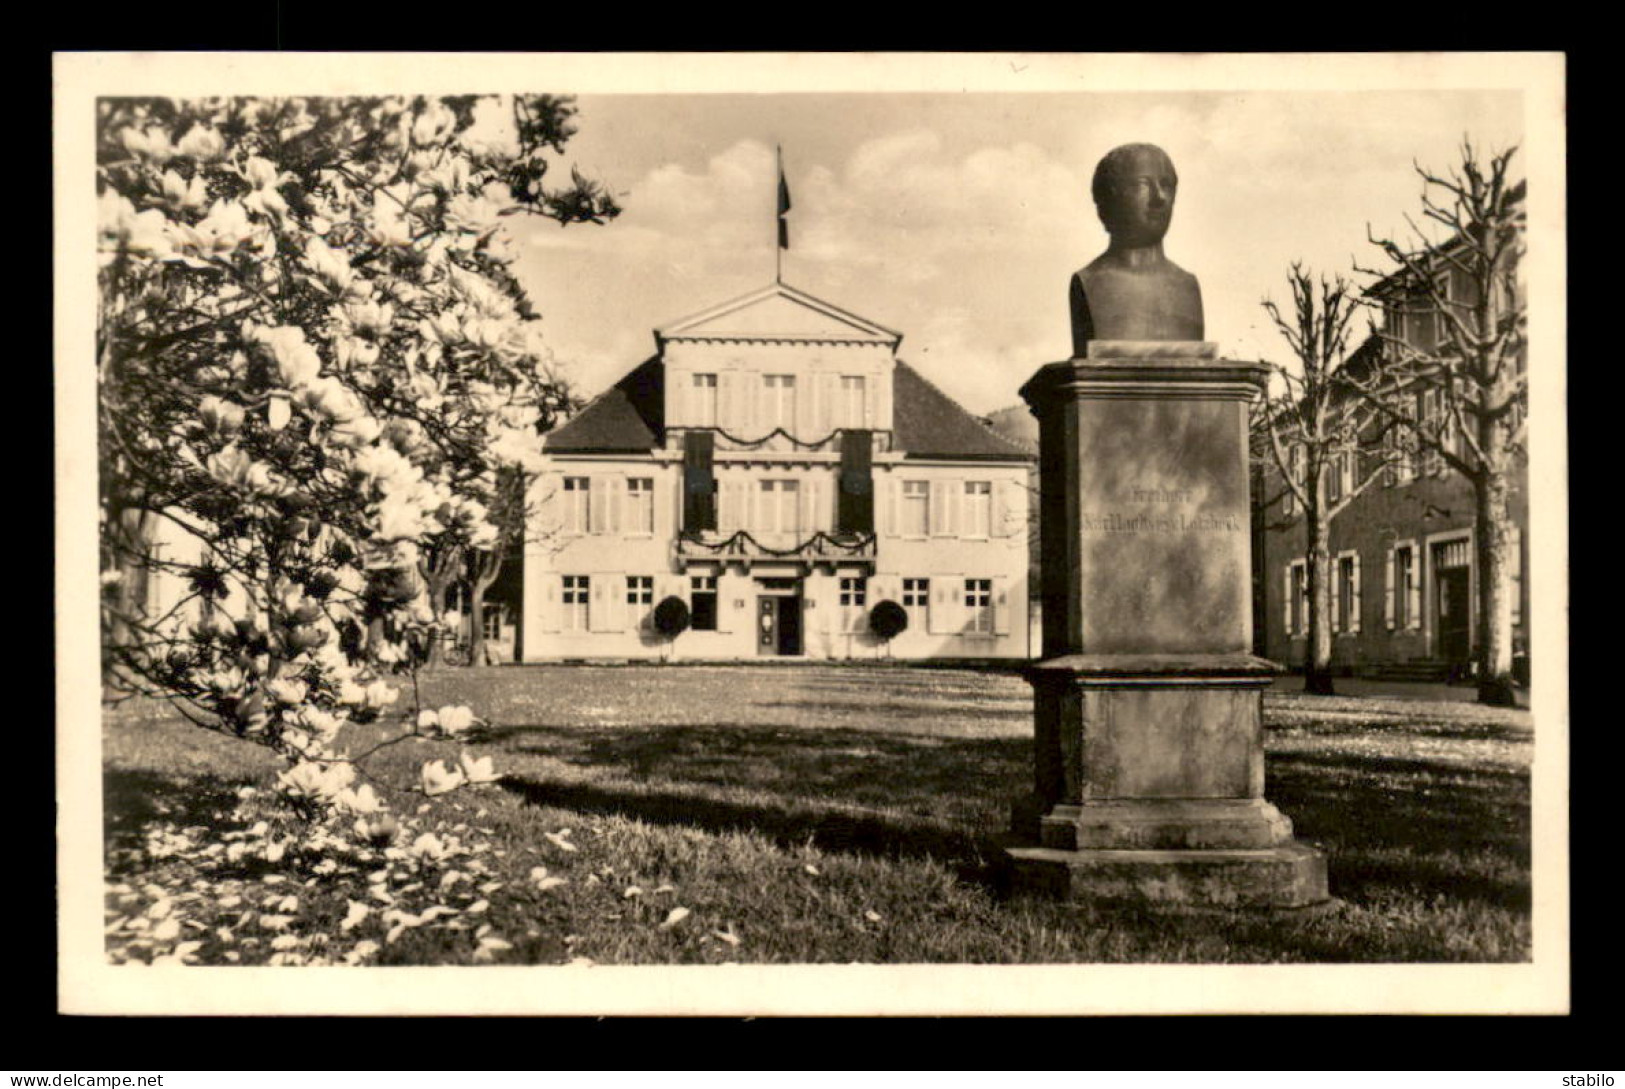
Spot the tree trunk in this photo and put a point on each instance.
(439, 574)
(1317, 651)
(1490, 492)
(487, 566)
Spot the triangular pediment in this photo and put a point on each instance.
(777, 312)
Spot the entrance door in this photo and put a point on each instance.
(1455, 635)
(789, 625)
(778, 625)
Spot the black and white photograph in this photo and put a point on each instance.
(764, 534)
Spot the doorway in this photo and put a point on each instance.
(1454, 609)
(778, 623)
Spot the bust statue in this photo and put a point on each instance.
(1132, 291)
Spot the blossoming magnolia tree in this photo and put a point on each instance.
(314, 359)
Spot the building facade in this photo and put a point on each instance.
(1404, 576)
(777, 468)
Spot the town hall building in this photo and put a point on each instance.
(777, 468)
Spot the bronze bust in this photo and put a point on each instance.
(1132, 291)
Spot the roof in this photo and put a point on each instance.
(778, 312)
(629, 417)
(927, 423)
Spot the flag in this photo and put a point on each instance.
(784, 207)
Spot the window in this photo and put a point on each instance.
(576, 588)
(1405, 587)
(640, 501)
(577, 504)
(492, 622)
(979, 606)
(704, 405)
(1297, 598)
(1401, 444)
(1347, 603)
(779, 411)
(854, 401)
(978, 508)
(640, 597)
(780, 508)
(916, 600)
(1430, 418)
(1334, 479)
(1294, 467)
(916, 508)
(854, 596)
(702, 607)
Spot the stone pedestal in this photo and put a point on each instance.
(1148, 708)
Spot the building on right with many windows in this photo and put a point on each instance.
(1404, 578)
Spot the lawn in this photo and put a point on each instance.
(815, 815)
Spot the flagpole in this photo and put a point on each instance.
(778, 219)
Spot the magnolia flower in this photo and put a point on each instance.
(380, 695)
(439, 778)
(201, 142)
(219, 414)
(362, 799)
(324, 724)
(428, 720)
(477, 771)
(357, 432)
(353, 916)
(321, 782)
(181, 193)
(219, 234)
(390, 225)
(288, 690)
(351, 694)
(262, 174)
(332, 269)
(151, 143)
(428, 846)
(236, 469)
(296, 361)
(123, 229)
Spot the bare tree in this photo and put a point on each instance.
(1466, 363)
(1325, 440)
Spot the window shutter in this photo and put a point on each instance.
(1388, 595)
(1514, 563)
(725, 609)
(957, 508)
(1336, 575)
(619, 517)
(805, 421)
(598, 503)
(679, 396)
(1008, 508)
(1354, 597)
(1288, 588)
(809, 507)
(727, 401)
(552, 601)
(886, 489)
(1001, 605)
(607, 601)
(829, 399)
(1414, 591)
(941, 526)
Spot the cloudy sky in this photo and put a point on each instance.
(957, 219)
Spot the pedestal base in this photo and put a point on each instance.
(1290, 876)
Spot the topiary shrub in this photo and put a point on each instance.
(888, 620)
(671, 617)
